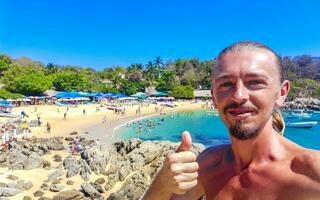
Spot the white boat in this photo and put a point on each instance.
(306, 124)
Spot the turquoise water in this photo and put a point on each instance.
(206, 129)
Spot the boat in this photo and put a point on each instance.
(306, 124)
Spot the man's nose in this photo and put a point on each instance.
(241, 93)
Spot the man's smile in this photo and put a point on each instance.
(240, 113)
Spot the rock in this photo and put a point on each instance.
(33, 161)
(124, 171)
(3, 160)
(38, 193)
(3, 184)
(56, 187)
(85, 170)
(55, 143)
(114, 196)
(11, 185)
(44, 198)
(44, 186)
(96, 157)
(16, 160)
(55, 175)
(70, 182)
(46, 164)
(56, 181)
(22, 185)
(69, 160)
(27, 198)
(68, 195)
(7, 192)
(69, 139)
(74, 133)
(100, 181)
(98, 187)
(12, 177)
(90, 191)
(57, 158)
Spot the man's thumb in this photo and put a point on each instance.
(186, 142)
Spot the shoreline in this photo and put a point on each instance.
(89, 125)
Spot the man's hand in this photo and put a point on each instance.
(179, 171)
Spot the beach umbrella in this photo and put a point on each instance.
(118, 95)
(159, 94)
(140, 95)
(6, 105)
(68, 95)
(109, 94)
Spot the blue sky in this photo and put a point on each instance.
(106, 33)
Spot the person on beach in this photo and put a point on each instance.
(65, 116)
(48, 127)
(14, 129)
(247, 89)
(84, 111)
(104, 119)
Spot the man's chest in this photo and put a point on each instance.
(226, 185)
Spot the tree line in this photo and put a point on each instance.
(24, 76)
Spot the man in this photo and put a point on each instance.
(247, 89)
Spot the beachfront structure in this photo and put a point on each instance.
(202, 93)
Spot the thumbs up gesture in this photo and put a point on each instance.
(179, 172)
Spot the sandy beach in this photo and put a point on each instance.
(88, 125)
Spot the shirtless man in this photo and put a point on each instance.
(247, 89)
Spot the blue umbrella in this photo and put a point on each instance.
(68, 95)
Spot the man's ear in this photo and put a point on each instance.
(285, 88)
(213, 100)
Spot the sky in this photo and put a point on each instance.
(105, 33)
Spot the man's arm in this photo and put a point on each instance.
(177, 179)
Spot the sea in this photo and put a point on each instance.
(207, 128)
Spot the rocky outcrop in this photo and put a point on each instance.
(133, 162)
(28, 154)
(302, 103)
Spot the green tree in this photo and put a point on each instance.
(168, 80)
(52, 68)
(151, 74)
(70, 81)
(31, 84)
(5, 62)
(128, 88)
(4, 94)
(182, 92)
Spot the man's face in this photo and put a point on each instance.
(245, 90)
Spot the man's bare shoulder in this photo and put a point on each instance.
(215, 155)
(307, 162)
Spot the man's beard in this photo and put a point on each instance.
(241, 132)
(239, 129)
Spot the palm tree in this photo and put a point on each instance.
(151, 73)
(158, 62)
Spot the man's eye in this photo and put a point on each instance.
(255, 82)
(226, 84)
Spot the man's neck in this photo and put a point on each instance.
(265, 147)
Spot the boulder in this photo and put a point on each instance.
(91, 191)
(7, 192)
(38, 193)
(33, 161)
(55, 175)
(100, 181)
(68, 195)
(56, 187)
(22, 185)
